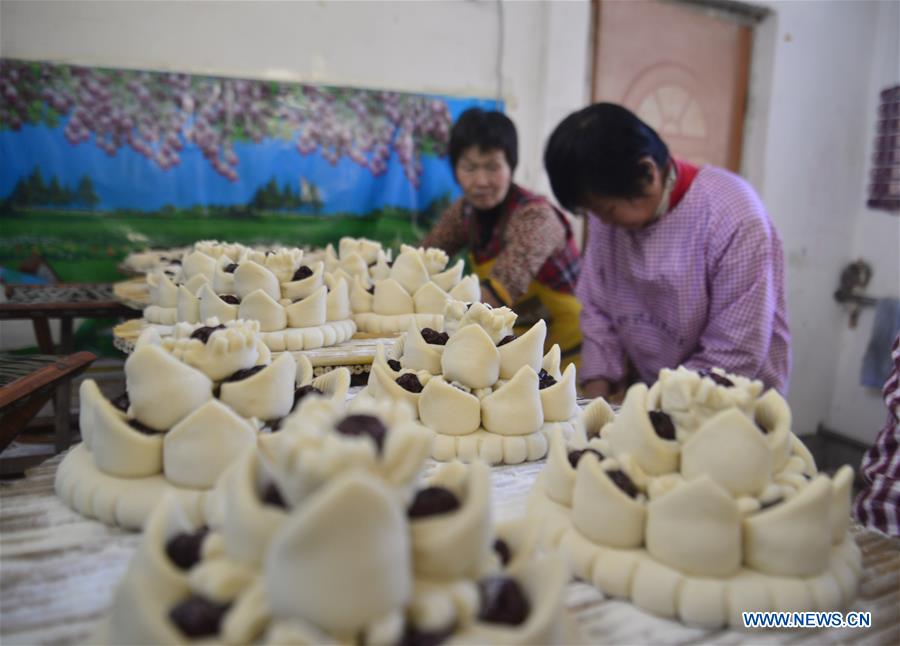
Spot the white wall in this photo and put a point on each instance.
(857, 411)
(810, 130)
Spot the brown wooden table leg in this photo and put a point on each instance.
(62, 407)
(62, 400)
(66, 337)
(42, 333)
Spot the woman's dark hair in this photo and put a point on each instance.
(488, 130)
(598, 151)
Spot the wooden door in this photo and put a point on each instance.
(681, 69)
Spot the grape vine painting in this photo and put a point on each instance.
(98, 162)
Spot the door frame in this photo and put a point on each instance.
(744, 15)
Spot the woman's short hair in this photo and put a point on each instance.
(597, 151)
(486, 129)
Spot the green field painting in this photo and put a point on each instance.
(87, 247)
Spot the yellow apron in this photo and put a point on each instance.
(563, 325)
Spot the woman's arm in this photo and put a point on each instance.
(532, 234)
(603, 358)
(744, 274)
(449, 232)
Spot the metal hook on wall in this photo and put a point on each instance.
(855, 278)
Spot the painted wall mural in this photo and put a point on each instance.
(98, 162)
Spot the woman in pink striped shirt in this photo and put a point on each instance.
(682, 264)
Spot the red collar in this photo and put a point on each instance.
(686, 174)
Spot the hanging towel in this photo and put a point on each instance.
(876, 365)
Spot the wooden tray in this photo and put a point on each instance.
(358, 351)
(125, 334)
(133, 292)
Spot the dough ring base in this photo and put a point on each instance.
(126, 502)
(290, 339)
(391, 323)
(309, 338)
(158, 315)
(635, 575)
(494, 448)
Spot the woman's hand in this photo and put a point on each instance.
(488, 298)
(594, 388)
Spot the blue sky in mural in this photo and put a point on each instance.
(129, 180)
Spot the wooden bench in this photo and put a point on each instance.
(27, 382)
